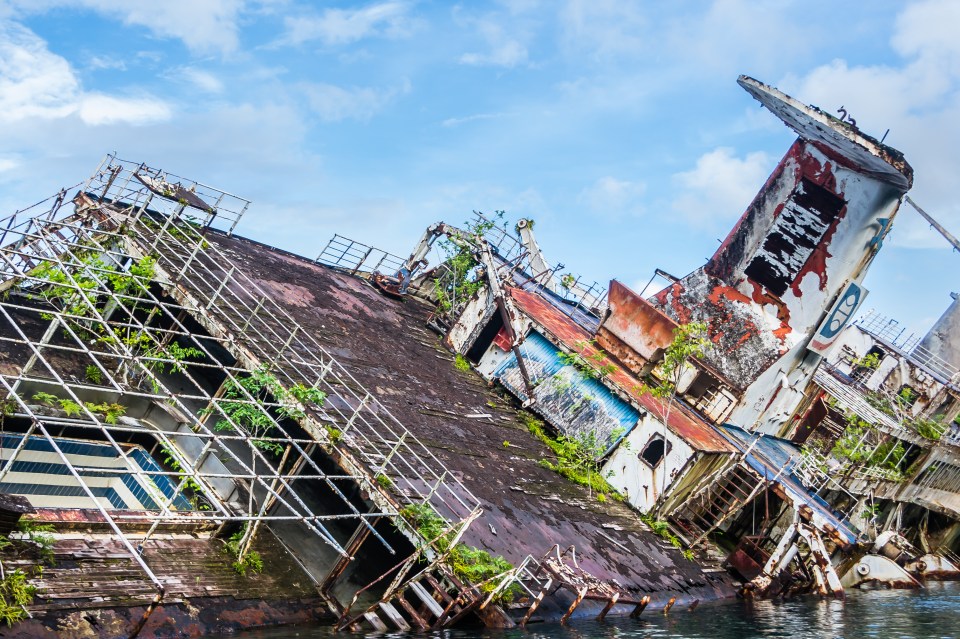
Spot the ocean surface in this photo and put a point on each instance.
(931, 613)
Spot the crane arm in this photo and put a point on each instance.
(944, 232)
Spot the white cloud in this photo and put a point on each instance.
(96, 109)
(202, 25)
(203, 80)
(604, 27)
(918, 100)
(35, 83)
(610, 197)
(720, 186)
(333, 103)
(503, 49)
(98, 62)
(8, 164)
(449, 122)
(928, 28)
(343, 26)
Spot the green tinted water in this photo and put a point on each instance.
(924, 614)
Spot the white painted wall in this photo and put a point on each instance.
(641, 484)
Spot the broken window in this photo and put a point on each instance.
(796, 232)
(655, 450)
(907, 395)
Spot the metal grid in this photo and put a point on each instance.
(355, 257)
(894, 335)
(77, 296)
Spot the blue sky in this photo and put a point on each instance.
(618, 126)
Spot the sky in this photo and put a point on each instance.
(617, 126)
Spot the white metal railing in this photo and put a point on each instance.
(356, 257)
(895, 335)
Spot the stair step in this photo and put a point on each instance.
(375, 621)
(426, 598)
(395, 618)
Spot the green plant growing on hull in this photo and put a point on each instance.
(190, 486)
(252, 416)
(461, 363)
(335, 434)
(70, 407)
(16, 593)
(111, 412)
(47, 399)
(930, 428)
(855, 446)
(576, 457)
(174, 351)
(595, 365)
(461, 263)
(870, 361)
(690, 341)
(662, 529)
(472, 565)
(251, 561)
(39, 537)
(93, 374)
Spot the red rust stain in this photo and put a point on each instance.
(761, 297)
(671, 296)
(729, 293)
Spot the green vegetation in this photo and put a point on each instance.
(335, 434)
(39, 537)
(250, 561)
(70, 407)
(173, 350)
(594, 366)
(190, 488)
(93, 374)
(689, 341)
(45, 398)
(461, 261)
(461, 363)
(662, 529)
(383, 481)
(870, 361)
(75, 287)
(16, 593)
(253, 417)
(111, 412)
(576, 458)
(472, 565)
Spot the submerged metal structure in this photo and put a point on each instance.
(121, 323)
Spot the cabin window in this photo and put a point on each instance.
(655, 450)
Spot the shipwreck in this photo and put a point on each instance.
(203, 433)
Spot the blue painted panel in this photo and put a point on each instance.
(576, 405)
(71, 447)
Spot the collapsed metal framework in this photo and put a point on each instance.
(357, 258)
(121, 318)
